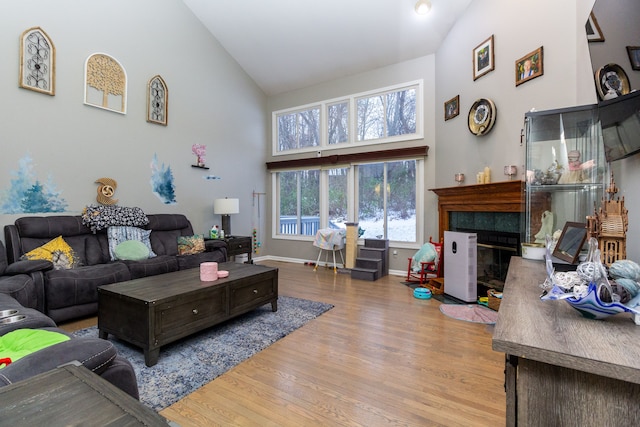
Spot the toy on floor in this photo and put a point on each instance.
(422, 293)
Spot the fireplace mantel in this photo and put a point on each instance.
(504, 196)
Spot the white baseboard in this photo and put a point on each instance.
(303, 261)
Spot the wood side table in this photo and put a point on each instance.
(72, 395)
(238, 245)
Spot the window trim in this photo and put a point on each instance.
(352, 201)
(351, 99)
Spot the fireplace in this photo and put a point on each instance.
(492, 211)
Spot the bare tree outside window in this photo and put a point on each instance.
(338, 123)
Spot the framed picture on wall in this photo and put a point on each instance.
(37, 61)
(452, 108)
(529, 66)
(594, 33)
(634, 56)
(483, 58)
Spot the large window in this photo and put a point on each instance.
(382, 196)
(384, 115)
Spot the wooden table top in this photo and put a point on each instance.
(553, 332)
(162, 286)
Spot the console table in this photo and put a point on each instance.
(562, 368)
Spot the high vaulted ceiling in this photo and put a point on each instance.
(289, 44)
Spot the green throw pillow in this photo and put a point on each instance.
(131, 250)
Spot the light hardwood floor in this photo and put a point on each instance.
(380, 357)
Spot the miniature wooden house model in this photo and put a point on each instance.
(609, 226)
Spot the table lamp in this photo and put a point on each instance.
(226, 207)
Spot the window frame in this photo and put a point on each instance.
(324, 145)
(352, 199)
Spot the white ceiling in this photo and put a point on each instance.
(289, 44)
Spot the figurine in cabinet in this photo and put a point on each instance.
(577, 172)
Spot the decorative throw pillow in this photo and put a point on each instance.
(189, 245)
(58, 252)
(119, 234)
(131, 250)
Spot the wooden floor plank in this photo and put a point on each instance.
(380, 357)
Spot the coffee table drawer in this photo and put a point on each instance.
(190, 313)
(248, 296)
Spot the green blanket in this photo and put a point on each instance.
(23, 342)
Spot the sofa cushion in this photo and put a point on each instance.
(190, 245)
(57, 251)
(151, 267)
(78, 286)
(119, 234)
(131, 250)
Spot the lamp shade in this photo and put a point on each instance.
(226, 206)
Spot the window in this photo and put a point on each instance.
(387, 200)
(384, 115)
(382, 196)
(338, 123)
(299, 193)
(299, 130)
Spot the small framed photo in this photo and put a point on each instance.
(529, 66)
(452, 108)
(483, 58)
(594, 33)
(634, 56)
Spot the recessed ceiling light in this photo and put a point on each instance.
(423, 7)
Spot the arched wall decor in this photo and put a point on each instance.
(105, 83)
(157, 101)
(37, 61)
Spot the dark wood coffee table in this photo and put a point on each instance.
(156, 310)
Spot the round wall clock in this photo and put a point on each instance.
(612, 81)
(482, 116)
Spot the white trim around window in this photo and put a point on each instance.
(323, 144)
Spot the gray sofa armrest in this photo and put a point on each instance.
(28, 267)
(94, 354)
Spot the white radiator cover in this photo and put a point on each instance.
(461, 265)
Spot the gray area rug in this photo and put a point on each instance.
(188, 364)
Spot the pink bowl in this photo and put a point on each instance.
(222, 274)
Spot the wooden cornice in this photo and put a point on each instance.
(337, 159)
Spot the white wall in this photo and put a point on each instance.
(518, 29)
(211, 101)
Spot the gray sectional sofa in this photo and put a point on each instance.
(65, 294)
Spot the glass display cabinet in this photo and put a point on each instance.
(565, 169)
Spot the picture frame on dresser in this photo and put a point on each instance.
(570, 242)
